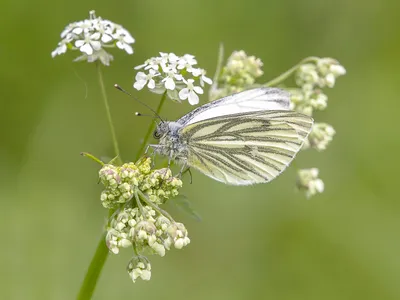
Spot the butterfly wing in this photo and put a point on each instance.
(258, 99)
(246, 148)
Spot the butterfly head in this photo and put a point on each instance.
(161, 130)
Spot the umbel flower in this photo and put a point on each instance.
(239, 74)
(135, 191)
(177, 75)
(308, 181)
(91, 37)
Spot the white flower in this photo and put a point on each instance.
(320, 136)
(187, 62)
(202, 74)
(91, 37)
(139, 266)
(190, 92)
(308, 181)
(124, 39)
(142, 79)
(89, 44)
(172, 76)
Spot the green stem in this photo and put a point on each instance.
(151, 127)
(95, 268)
(285, 75)
(110, 123)
(214, 85)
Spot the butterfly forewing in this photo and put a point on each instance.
(246, 148)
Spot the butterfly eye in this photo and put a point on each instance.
(156, 135)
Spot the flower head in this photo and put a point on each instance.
(320, 136)
(173, 74)
(308, 181)
(139, 266)
(91, 37)
(134, 191)
(239, 73)
(322, 73)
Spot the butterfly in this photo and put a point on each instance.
(243, 139)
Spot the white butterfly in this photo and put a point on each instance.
(246, 138)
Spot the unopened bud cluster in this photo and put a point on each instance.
(308, 181)
(239, 73)
(134, 192)
(311, 79)
(92, 37)
(146, 229)
(320, 136)
(120, 183)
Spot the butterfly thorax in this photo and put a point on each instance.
(171, 144)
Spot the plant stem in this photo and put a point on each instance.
(95, 268)
(285, 75)
(110, 123)
(151, 127)
(220, 60)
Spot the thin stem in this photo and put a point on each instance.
(92, 157)
(151, 127)
(110, 123)
(95, 268)
(285, 75)
(220, 60)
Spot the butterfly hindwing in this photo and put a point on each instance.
(246, 148)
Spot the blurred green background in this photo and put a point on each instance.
(265, 241)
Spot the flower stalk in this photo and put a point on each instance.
(108, 112)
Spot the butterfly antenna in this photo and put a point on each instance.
(144, 104)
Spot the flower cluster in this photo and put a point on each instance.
(239, 73)
(177, 75)
(308, 181)
(134, 192)
(120, 183)
(139, 266)
(149, 231)
(311, 78)
(91, 37)
(320, 136)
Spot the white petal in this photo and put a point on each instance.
(141, 76)
(151, 84)
(206, 79)
(128, 49)
(96, 45)
(169, 83)
(140, 66)
(193, 98)
(106, 38)
(77, 30)
(184, 94)
(79, 43)
(86, 48)
(129, 39)
(95, 36)
(138, 85)
(198, 90)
